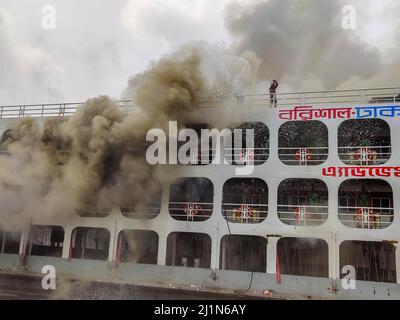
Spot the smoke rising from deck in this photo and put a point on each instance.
(302, 43)
(103, 149)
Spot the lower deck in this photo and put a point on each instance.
(99, 279)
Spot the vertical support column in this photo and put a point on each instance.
(334, 264)
(162, 248)
(219, 222)
(67, 242)
(164, 221)
(215, 249)
(332, 223)
(113, 240)
(23, 242)
(273, 201)
(271, 254)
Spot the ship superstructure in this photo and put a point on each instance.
(323, 196)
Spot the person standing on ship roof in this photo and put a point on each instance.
(272, 93)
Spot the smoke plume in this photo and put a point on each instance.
(96, 158)
(301, 43)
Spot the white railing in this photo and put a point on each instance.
(303, 156)
(327, 98)
(361, 155)
(303, 215)
(332, 97)
(93, 212)
(50, 109)
(147, 211)
(366, 217)
(243, 156)
(244, 212)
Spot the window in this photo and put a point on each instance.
(239, 153)
(373, 261)
(10, 241)
(203, 156)
(303, 202)
(360, 146)
(366, 204)
(191, 199)
(243, 253)
(138, 246)
(148, 207)
(189, 250)
(306, 257)
(46, 241)
(303, 143)
(90, 243)
(245, 200)
(93, 211)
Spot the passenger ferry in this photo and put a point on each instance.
(323, 198)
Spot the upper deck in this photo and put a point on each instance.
(328, 99)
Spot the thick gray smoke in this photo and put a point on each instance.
(301, 42)
(103, 149)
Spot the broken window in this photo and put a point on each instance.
(191, 199)
(148, 207)
(245, 200)
(303, 202)
(90, 243)
(307, 257)
(138, 246)
(303, 143)
(366, 203)
(243, 253)
(373, 261)
(10, 241)
(364, 142)
(46, 241)
(189, 250)
(240, 153)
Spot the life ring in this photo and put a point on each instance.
(358, 216)
(243, 212)
(192, 209)
(299, 154)
(246, 156)
(371, 156)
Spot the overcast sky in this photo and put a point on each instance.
(98, 45)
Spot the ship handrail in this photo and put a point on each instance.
(298, 148)
(245, 204)
(234, 210)
(365, 147)
(301, 206)
(356, 207)
(247, 148)
(390, 94)
(302, 221)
